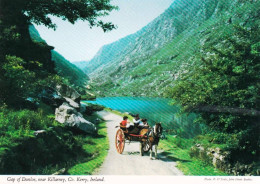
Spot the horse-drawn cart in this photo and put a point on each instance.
(122, 136)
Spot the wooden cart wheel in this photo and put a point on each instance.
(146, 146)
(120, 141)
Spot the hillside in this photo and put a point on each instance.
(203, 54)
(68, 70)
(63, 67)
(154, 57)
(80, 64)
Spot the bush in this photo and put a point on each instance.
(34, 154)
(21, 152)
(24, 119)
(90, 108)
(224, 89)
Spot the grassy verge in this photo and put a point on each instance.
(97, 147)
(177, 149)
(59, 147)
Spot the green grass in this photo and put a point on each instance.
(177, 149)
(60, 147)
(95, 146)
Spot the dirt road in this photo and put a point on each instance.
(130, 162)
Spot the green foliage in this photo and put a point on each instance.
(68, 71)
(226, 77)
(97, 147)
(22, 122)
(91, 108)
(15, 121)
(15, 41)
(26, 66)
(22, 152)
(225, 87)
(178, 149)
(38, 11)
(88, 97)
(19, 81)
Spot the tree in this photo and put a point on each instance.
(38, 11)
(20, 79)
(224, 88)
(16, 43)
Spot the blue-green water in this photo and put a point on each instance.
(155, 110)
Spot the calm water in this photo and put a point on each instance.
(155, 110)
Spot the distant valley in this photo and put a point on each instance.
(148, 62)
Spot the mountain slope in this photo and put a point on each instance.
(63, 67)
(68, 70)
(80, 64)
(147, 62)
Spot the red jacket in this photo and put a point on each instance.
(124, 122)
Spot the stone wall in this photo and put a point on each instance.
(222, 160)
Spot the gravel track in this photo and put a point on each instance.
(130, 162)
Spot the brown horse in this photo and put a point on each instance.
(154, 134)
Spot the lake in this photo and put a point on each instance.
(155, 110)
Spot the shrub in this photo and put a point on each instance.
(224, 89)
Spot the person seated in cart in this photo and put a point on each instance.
(137, 120)
(143, 124)
(124, 123)
(127, 126)
(139, 124)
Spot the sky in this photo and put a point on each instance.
(77, 42)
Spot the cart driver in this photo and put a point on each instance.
(143, 123)
(137, 120)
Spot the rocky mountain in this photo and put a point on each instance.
(147, 63)
(63, 67)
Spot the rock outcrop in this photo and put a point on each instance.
(71, 117)
(51, 97)
(222, 160)
(68, 110)
(72, 103)
(68, 92)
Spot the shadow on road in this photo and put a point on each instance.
(165, 156)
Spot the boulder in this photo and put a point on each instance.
(68, 92)
(72, 103)
(50, 97)
(39, 132)
(83, 108)
(219, 158)
(69, 116)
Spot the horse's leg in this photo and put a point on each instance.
(155, 151)
(141, 149)
(151, 152)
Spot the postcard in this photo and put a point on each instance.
(112, 91)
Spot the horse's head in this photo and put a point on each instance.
(158, 130)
